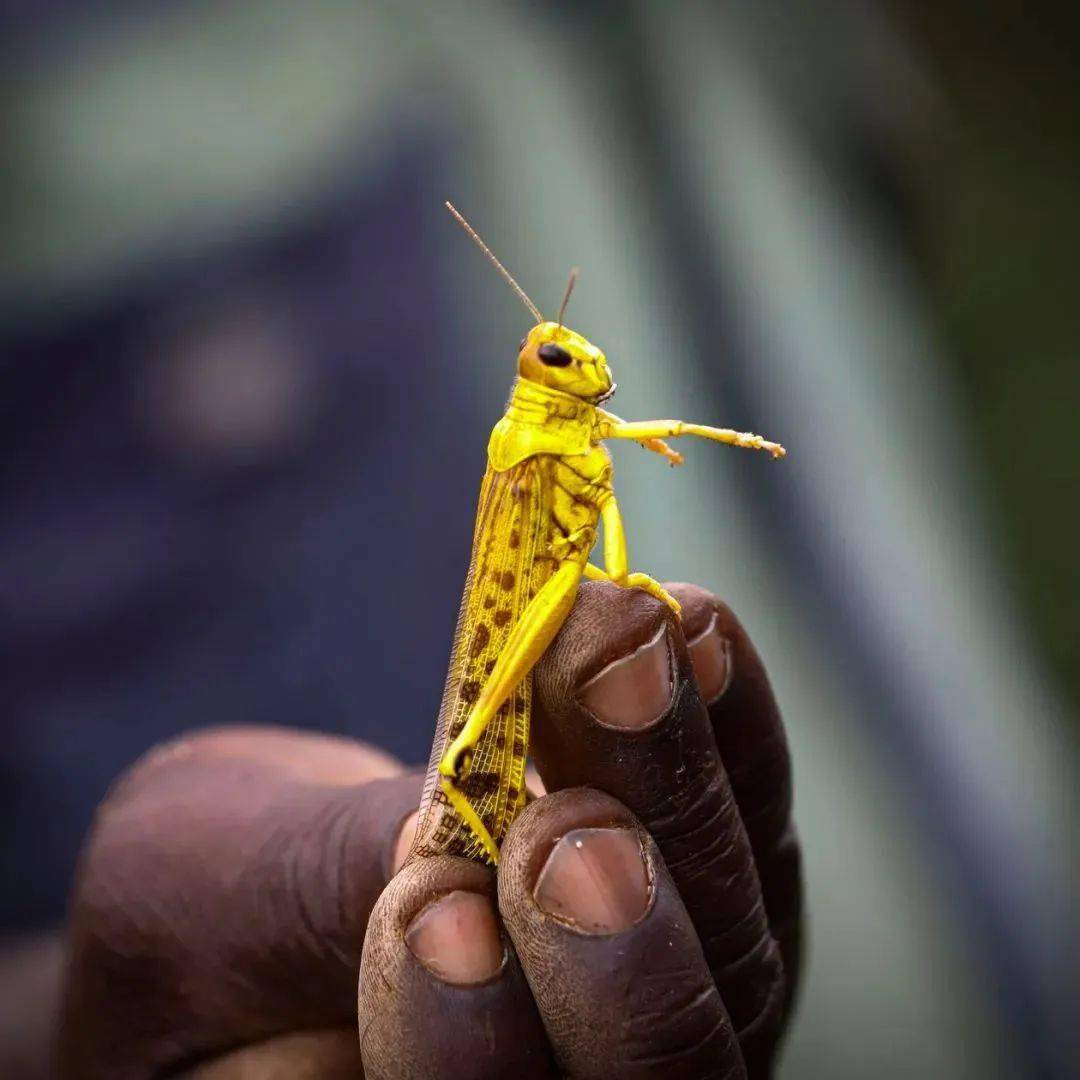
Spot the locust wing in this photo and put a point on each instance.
(508, 567)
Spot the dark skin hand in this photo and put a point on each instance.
(644, 920)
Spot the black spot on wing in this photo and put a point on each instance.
(481, 636)
(477, 785)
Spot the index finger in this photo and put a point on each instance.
(618, 708)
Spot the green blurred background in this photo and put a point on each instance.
(993, 177)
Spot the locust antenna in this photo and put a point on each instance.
(566, 295)
(495, 262)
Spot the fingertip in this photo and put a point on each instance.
(617, 655)
(710, 629)
(456, 937)
(422, 882)
(607, 622)
(596, 880)
(539, 828)
(590, 907)
(699, 606)
(634, 691)
(580, 858)
(441, 992)
(705, 612)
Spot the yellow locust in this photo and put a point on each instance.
(548, 482)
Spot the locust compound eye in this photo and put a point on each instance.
(553, 355)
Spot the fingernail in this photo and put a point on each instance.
(596, 880)
(403, 844)
(711, 656)
(634, 690)
(457, 938)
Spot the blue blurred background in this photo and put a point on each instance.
(250, 364)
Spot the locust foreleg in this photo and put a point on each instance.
(647, 431)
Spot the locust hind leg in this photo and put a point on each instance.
(528, 639)
(465, 810)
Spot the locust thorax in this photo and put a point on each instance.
(556, 356)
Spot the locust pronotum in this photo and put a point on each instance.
(547, 484)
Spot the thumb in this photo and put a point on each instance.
(222, 899)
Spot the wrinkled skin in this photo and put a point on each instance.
(230, 881)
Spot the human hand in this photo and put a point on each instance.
(648, 927)
(221, 904)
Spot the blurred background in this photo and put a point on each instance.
(250, 364)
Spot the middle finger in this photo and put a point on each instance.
(603, 936)
(618, 709)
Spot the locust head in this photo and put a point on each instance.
(555, 356)
(550, 354)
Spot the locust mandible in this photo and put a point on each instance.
(547, 485)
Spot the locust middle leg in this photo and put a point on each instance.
(616, 559)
